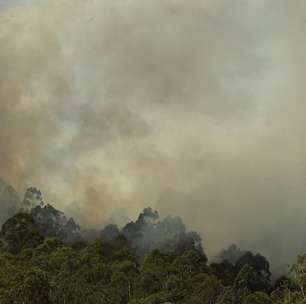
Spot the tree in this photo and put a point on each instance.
(204, 288)
(147, 284)
(123, 278)
(159, 264)
(258, 298)
(20, 231)
(299, 273)
(31, 287)
(261, 274)
(189, 264)
(248, 280)
(232, 254)
(225, 271)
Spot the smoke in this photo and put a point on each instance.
(9, 201)
(193, 107)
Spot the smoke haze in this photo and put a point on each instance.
(196, 108)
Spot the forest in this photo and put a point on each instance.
(47, 258)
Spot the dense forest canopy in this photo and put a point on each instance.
(46, 258)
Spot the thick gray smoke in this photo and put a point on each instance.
(193, 107)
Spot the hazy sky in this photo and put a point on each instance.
(196, 108)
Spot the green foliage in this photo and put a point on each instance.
(20, 232)
(159, 264)
(258, 298)
(190, 263)
(31, 286)
(254, 272)
(299, 272)
(147, 284)
(41, 270)
(225, 271)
